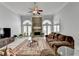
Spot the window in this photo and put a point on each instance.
(44, 30)
(49, 29)
(25, 30)
(56, 27)
(56, 22)
(46, 27)
(27, 27)
(29, 30)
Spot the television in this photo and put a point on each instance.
(7, 32)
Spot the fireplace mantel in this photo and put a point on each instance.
(36, 27)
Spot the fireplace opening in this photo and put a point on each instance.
(37, 33)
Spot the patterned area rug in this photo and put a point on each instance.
(35, 49)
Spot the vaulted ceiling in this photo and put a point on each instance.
(22, 8)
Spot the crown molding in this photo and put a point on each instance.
(5, 5)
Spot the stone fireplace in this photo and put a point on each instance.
(36, 25)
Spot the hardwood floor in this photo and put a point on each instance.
(34, 50)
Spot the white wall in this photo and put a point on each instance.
(70, 21)
(8, 19)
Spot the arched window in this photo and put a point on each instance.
(56, 25)
(27, 27)
(27, 21)
(47, 27)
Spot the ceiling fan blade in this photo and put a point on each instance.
(30, 12)
(30, 8)
(40, 10)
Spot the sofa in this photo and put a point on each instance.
(56, 40)
(6, 41)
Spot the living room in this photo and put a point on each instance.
(28, 26)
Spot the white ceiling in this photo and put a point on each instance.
(22, 8)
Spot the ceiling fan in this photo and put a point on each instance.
(35, 10)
